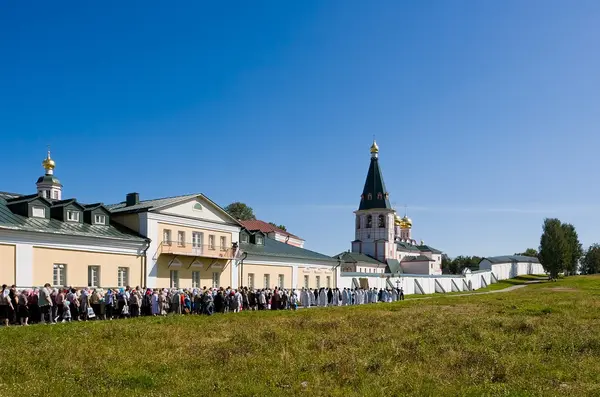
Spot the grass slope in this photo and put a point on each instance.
(539, 340)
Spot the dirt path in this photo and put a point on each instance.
(507, 289)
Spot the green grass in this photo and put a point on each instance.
(541, 340)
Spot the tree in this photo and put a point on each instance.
(282, 227)
(528, 252)
(553, 247)
(574, 252)
(240, 211)
(590, 264)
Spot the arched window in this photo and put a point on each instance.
(369, 221)
(358, 222)
(197, 207)
(381, 222)
(369, 196)
(379, 196)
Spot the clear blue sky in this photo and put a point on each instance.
(487, 114)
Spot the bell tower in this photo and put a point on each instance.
(375, 222)
(48, 186)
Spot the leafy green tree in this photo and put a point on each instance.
(282, 227)
(574, 252)
(590, 264)
(240, 211)
(553, 247)
(528, 252)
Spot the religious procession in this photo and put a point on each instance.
(47, 305)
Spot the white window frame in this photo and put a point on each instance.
(195, 279)
(251, 280)
(280, 280)
(167, 236)
(55, 194)
(38, 215)
(260, 240)
(245, 238)
(72, 216)
(99, 219)
(267, 280)
(122, 276)
(306, 281)
(211, 241)
(174, 278)
(59, 279)
(180, 238)
(223, 243)
(91, 270)
(197, 239)
(216, 279)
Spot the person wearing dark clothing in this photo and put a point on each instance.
(219, 304)
(316, 296)
(330, 296)
(275, 300)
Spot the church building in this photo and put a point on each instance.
(383, 240)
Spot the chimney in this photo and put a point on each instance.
(132, 199)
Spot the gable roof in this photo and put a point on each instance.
(11, 221)
(419, 258)
(255, 224)
(160, 203)
(374, 186)
(427, 248)
(9, 199)
(356, 257)
(276, 248)
(511, 258)
(403, 246)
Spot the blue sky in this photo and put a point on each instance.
(486, 113)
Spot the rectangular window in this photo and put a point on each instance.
(251, 280)
(244, 238)
(122, 277)
(267, 280)
(73, 216)
(318, 279)
(174, 278)
(223, 243)
(55, 195)
(181, 238)
(59, 278)
(328, 280)
(306, 282)
(211, 241)
(167, 237)
(38, 212)
(195, 279)
(259, 240)
(216, 279)
(197, 238)
(280, 280)
(93, 276)
(100, 219)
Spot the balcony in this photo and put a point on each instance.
(194, 249)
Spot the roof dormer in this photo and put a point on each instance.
(96, 214)
(67, 211)
(31, 206)
(258, 238)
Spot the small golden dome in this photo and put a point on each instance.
(405, 222)
(397, 220)
(374, 148)
(48, 163)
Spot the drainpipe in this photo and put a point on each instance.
(287, 238)
(145, 263)
(244, 256)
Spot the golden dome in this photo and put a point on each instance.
(374, 148)
(48, 163)
(405, 222)
(397, 220)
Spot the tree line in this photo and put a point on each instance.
(244, 212)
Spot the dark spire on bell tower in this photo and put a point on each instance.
(375, 195)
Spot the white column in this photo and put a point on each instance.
(295, 276)
(24, 265)
(149, 228)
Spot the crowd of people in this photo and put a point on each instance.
(51, 305)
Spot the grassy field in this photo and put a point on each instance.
(541, 340)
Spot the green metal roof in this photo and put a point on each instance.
(10, 221)
(426, 248)
(279, 249)
(402, 246)
(48, 179)
(393, 266)
(356, 257)
(416, 258)
(147, 205)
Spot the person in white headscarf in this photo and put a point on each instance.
(322, 298)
